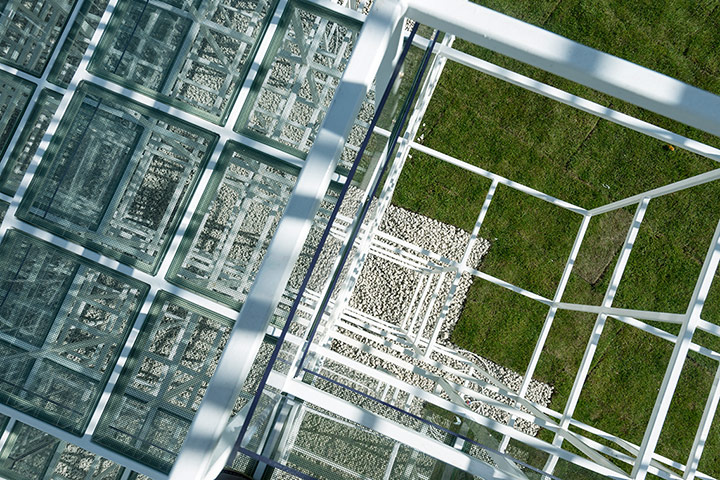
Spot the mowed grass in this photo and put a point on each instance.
(588, 162)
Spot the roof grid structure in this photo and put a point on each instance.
(218, 227)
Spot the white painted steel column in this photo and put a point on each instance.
(598, 329)
(246, 337)
(677, 360)
(364, 240)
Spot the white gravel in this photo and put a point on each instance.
(384, 290)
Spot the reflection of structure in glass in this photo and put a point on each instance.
(36, 126)
(30, 31)
(31, 454)
(200, 265)
(166, 376)
(234, 223)
(63, 323)
(193, 53)
(298, 80)
(156, 161)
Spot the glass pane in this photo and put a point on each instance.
(161, 387)
(29, 31)
(3, 210)
(126, 208)
(233, 225)
(31, 454)
(14, 97)
(63, 321)
(298, 79)
(190, 53)
(24, 151)
(78, 38)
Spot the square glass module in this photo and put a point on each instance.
(26, 147)
(63, 321)
(29, 31)
(232, 227)
(193, 54)
(77, 41)
(126, 208)
(298, 78)
(166, 376)
(234, 223)
(31, 454)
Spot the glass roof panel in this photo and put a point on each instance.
(63, 320)
(126, 208)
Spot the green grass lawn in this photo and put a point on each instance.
(589, 162)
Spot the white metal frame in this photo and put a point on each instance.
(505, 35)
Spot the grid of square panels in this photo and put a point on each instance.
(126, 208)
(319, 32)
(189, 53)
(29, 31)
(297, 81)
(164, 381)
(63, 321)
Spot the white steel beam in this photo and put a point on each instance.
(463, 411)
(500, 179)
(411, 438)
(694, 347)
(246, 337)
(558, 55)
(364, 240)
(677, 359)
(580, 103)
(660, 191)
